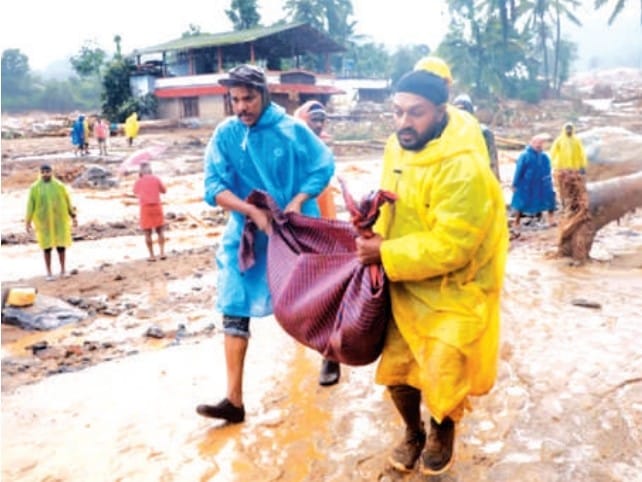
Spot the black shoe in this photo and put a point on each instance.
(224, 410)
(437, 456)
(330, 373)
(405, 455)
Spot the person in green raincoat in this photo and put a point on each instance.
(443, 247)
(49, 208)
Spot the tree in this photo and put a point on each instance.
(243, 14)
(368, 60)
(404, 59)
(15, 73)
(617, 8)
(117, 99)
(308, 11)
(89, 59)
(588, 208)
(117, 40)
(329, 16)
(116, 91)
(544, 16)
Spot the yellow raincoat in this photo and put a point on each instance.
(131, 126)
(49, 207)
(567, 152)
(445, 247)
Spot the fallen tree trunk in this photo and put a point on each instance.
(588, 208)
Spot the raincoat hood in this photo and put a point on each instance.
(567, 151)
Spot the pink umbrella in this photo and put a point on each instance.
(139, 157)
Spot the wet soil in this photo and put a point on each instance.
(112, 397)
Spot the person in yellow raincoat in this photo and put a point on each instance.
(567, 151)
(131, 128)
(443, 247)
(49, 207)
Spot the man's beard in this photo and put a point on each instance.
(418, 140)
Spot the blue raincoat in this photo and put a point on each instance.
(278, 155)
(78, 132)
(533, 184)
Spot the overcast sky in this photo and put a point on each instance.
(47, 30)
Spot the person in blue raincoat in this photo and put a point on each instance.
(260, 148)
(78, 135)
(533, 191)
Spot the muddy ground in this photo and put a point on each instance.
(546, 420)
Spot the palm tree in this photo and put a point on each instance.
(617, 8)
(545, 14)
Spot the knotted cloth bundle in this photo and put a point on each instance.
(321, 293)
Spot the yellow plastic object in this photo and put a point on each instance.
(21, 296)
(436, 66)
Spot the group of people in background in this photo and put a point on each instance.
(51, 212)
(442, 244)
(81, 131)
(533, 183)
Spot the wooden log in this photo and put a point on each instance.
(588, 208)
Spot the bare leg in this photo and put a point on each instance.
(551, 218)
(47, 253)
(149, 243)
(235, 349)
(518, 218)
(161, 241)
(61, 257)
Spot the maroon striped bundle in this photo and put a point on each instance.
(322, 295)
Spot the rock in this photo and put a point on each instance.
(46, 313)
(155, 332)
(96, 177)
(586, 303)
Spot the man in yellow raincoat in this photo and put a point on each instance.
(567, 151)
(443, 246)
(131, 128)
(49, 207)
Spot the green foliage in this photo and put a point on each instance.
(89, 60)
(23, 91)
(330, 16)
(116, 97)
(369, 60)
(618, 7)
(243, 14)
(15, 74)
(309, 11)
(503, 48)
(404, 60)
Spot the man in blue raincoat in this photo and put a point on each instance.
(533, 191)
(260, 148)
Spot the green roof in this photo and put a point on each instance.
(282, 40)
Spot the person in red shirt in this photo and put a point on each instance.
(148, 189)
